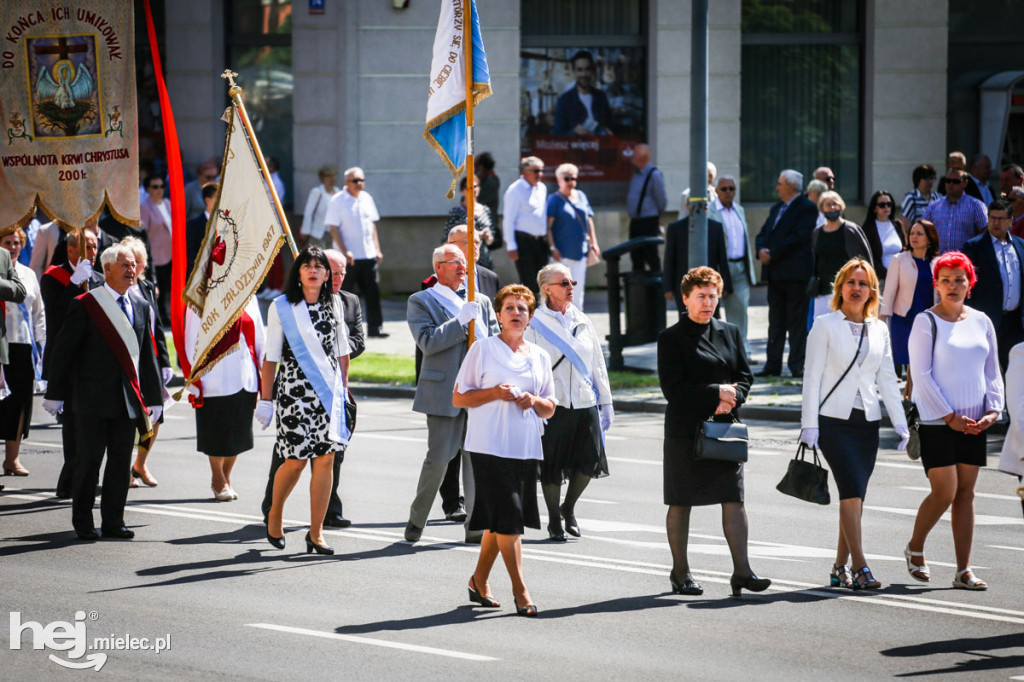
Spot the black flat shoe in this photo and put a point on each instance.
(689, 586)
(751, 582)
(477, 598)
(571, 527)
(528, 611)
(88, 535)
(276, 542)
(556, 534)
(313, 547)
(122, 533)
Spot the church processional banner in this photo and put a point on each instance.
(68, 134)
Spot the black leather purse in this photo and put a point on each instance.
(805, 480)
(721, 441)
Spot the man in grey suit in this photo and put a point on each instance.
(438, 318)
(726, 210)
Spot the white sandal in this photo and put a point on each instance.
(972, 583)
(913, 569)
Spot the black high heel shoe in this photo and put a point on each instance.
(571, 527)
(476, 597)
(750, 582)
(276, 542)
(689, 586)
(313, 547)
(556, 534)
(528, 611)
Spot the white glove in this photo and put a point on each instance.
(192, 390)
(82, 272)
(809, 437)
(607, 416)
(470, 311)
(154, 413)
(54, 407)
(264, 413)
(904, 437)
(167, 373)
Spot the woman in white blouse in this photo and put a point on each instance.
(319, 199)
(959, 393)
(848, 368)
(26, 336)
(573, 439)
(885, 237)
(505, 384)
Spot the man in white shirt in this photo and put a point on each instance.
(352, 219)
(526, 222)
(726, 210)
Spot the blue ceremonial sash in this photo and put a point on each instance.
(566, 349)
(326, 381)
(37, 357)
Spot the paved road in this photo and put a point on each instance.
(201, 574)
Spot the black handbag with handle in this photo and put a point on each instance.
(806, 480)
(721, 441)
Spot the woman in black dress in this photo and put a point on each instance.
(704, 374)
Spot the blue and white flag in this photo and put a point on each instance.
(446, 100)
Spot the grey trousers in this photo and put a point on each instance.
(736, 303)
(444, 442)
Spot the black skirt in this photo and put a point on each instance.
(20, 376)
(572, 444)
(850, 446)
(506, 494)
(691, 482)
(224, 424)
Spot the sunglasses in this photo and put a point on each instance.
(538, 171)
(570, 178)
(355, 181)
(884, 204)
(955, 181)
(830, 178)
(564, 283)
(727, 189)
(156, 186)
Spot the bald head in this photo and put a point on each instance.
(338, 263)
(641, 155)
(459, 236)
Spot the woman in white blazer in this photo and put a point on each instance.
(848, 368)
(1011, 460)
(908, 288)
(316, 209)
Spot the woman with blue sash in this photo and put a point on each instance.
(308, 387)
(574, 437)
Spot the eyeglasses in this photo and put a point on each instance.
(357, 180)
(458, 261)
(564, 283)
(570, 178)
(156, 186)
(538, 171)
(727, 189)
(884, 204)
(830, 178)
(955, 181)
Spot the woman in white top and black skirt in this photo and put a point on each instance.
(848, 368)
(574, 437)
(506, 385)
(954, 364)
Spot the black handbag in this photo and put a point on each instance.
(721, 441)
(806, 480)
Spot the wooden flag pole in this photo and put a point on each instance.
(467, 50)
(235, 93)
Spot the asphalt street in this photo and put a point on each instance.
(201, 580)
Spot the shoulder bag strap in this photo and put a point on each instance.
(860, 343)
(643, 190)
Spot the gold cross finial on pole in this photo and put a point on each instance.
(230, 76)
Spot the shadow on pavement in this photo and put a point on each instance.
(977, 647)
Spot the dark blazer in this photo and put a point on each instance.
(690, 374)
(570, 112)
(857, 246)
(789, 242)
(83, 367)
(56, 298)
(870, 230)
(103, 242)
(195, 230)
(488, 282)
(353, 316)
(148, 290)
(11, 289)
(987, 294)
(677, 255)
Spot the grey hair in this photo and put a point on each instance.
(459, 228)
(353, 170)
(111, 254)
(818, 186)
(566, 169)
(545, 276)
(334, 253)
(528, 161)
(726, 177)
(831, 195)
(713, 169)
(439, 252)
(1017, 192)
(794, 178)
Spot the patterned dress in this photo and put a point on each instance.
(302, 422)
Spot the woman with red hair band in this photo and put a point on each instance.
(958, 390)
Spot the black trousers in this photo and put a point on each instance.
(66, 479)
(787, 315)
(1010, 333)
(450, 497)
(362, 279)
(163, 282)
(533, 255)
(648, 255)
(95, 436)
(333, 503)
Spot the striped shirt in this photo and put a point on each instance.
(956, 222)
(914, 204)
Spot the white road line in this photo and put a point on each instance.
(373, 642)
(990, 496)
(899, 465)
(385, 436)
(590, 500)
(627, 460)
(1014, 549)
(979, 519)
(56, 446)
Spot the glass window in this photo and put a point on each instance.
(259, 45)
(801, 93)
(583, 90)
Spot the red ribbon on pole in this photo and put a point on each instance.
(176, 190)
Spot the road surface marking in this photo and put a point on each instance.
(1015, 549)
(990, 496)
(385, 436)
(373, 642)
(627, 460)
(979, 519)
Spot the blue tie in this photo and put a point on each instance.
(461, 293)
(124, 308)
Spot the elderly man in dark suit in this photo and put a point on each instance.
(784, 249)
(104, 356)
(998, 259)
(677, 259)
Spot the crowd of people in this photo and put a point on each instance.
(530, 400)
